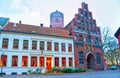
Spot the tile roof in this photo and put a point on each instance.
(32, 29)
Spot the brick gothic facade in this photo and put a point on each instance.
(87, 40)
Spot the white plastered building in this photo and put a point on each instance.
(26, 47)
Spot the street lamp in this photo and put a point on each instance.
(2, 56)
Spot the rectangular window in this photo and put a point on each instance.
(4, 60)
(24, 61)
(41, 61)
(5, 43)
(14, 61)
(25, 44)
(70, 47)
(15, 44)
(63, 62)
(70, 62)
(81, 57)
(42, 45)
(56, 46)
(63, 47)
(34, 61)
(49, 46)
(57, 61)
(34, 45)
(98, 58)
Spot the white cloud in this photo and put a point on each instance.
(106, 12)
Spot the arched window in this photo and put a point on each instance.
(81, 57)
(98, 58)
(80, 38)
(89, 39)
(96, 41)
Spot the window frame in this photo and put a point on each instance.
(34, 44)
(81, 57)
(56, 45)
(25, 44)
(15, 43)
(5, 43)
(42, 45)
(49, 46)
(14, 61)
(98, 58)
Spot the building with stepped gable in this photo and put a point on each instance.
(87, 40)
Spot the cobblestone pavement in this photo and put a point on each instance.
(97, 74)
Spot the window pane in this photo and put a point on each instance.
(24, 61)
(49, 46)
(96, 41)
(3, 60)
(15, 43)
(15, 61)
(41, 45)
(34, 45)
(34, 61)
(70, 47)
(81, 38)
(63, 62)
(56, 46)
(81, 58)
(98, 58)
(5, 43)
(25, 44)
(70, 62)
(41, 61)
(63, 46)
(57, 61)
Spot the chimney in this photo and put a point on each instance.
(41, 25)
(20, 22)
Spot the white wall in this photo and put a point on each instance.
(20, 52)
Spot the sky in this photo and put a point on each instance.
(34, 12)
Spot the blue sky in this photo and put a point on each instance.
(106, 12)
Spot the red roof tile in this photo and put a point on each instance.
(36, 29)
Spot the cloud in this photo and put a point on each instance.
(17, 5)
(106, 12)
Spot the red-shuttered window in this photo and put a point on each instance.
(3, 61)
(57, 61)
(70, 62)
(34, 61)
(24, 61)
(5, 43)
(14, 61)
(63, 62)
(41, 61)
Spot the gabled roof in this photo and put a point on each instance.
(32, 29)
(117, 33)
(3, 21)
